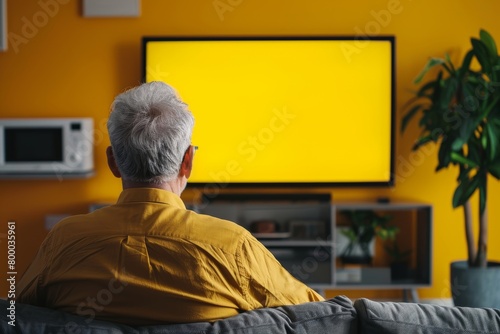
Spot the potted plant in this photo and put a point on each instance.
(459, 110)
(364, 226)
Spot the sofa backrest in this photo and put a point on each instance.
(390, 317)
(336, 315)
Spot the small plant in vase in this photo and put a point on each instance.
(364, 226)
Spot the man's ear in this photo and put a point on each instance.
(112, 162)
(187, 163)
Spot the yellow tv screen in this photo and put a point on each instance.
(281, 111)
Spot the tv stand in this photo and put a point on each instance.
(306, 238)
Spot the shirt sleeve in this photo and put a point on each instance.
(269, 284)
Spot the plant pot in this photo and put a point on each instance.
(356, 253)
(356, 259)
(475, 287)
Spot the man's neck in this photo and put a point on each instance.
(174, 186)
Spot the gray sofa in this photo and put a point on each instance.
(337, 315)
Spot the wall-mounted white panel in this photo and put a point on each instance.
(111, 8)
(3, 25)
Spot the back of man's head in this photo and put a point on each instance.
(150, 130)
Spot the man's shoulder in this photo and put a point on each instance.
(217, 224)
(169, 222)
(216, 230)
(71, 224)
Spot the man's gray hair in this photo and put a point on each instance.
(150, 130)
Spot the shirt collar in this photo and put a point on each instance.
(131, 195)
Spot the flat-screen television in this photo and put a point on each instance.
(283, 111)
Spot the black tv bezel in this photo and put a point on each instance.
(361, 39)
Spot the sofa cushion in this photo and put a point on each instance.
(334, 315)
(389, 317)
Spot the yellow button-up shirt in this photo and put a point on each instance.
(148, 260)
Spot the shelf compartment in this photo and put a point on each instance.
(311, 265)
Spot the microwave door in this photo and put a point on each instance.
(33, 145)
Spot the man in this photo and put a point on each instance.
(146, 259)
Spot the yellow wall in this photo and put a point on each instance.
(72, 66)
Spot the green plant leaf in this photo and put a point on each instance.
(458, 194)
(444, 155)
(470, 125)
(411, 101)
(388, 233)
(450, 64)
(465, 190)
(429, 120)
(482, 55)
(488, 109)
(458, 144)
(449, 92)
(495, 72)
(349, 234)
(409, 115)
(494, 168)
(484, 139)
(464, 173)
(471, 188)
(430, 64)
(474, 152)
(493, 139)
(465, 65)
(422, 141)
(489, 42)
(436, 93)
(426, 87)
(465, 132)
(449, 68)
(459, 158)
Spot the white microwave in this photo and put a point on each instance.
(46, 146)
